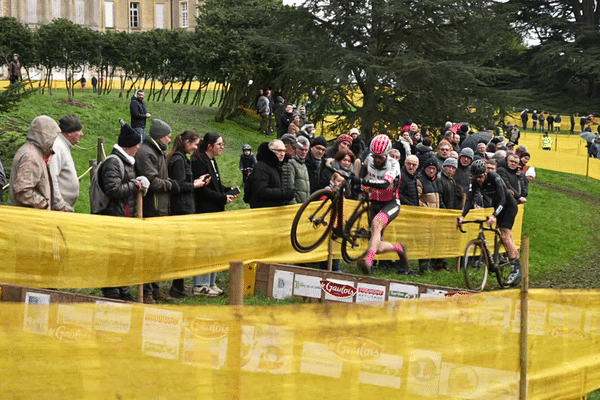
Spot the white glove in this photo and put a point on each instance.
(144, 184)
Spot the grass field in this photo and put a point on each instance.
(560, 215)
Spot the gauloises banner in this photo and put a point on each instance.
(459, 347)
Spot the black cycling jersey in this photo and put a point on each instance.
(505, 206)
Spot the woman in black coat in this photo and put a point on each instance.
(211, 198)
(182, 203)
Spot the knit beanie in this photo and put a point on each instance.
(159, 129)
(450, 162)
(70, 123)
(319, 140)
(128, 136)
(466, 152)
(344, 138)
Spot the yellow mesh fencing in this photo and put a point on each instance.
(461, 347)
(54, 249)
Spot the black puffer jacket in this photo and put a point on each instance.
(180, 170)
(116, 181)
(212, 197)
(450, 196)
(408, 189)
(463, 178)
(267, 186)
(314, 171)
(423, 154)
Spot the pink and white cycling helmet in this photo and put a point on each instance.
(381, 145)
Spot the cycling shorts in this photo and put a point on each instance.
(506, 218)
(390, 208)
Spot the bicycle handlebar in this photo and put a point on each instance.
(474, 221)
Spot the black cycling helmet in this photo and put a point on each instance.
(246, 147)
(478, 167)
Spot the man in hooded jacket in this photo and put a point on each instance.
(266, 181)
(30, 181)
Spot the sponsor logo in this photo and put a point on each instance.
(68, 333)
(207, 329)
(338, 290)
(567, 333)
(355, 349)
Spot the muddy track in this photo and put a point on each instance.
(583, 272)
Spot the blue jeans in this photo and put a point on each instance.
(205, 280)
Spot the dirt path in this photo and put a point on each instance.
(583, 272)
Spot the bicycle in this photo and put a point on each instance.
(479, 261)
(322, 213)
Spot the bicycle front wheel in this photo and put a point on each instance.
(502, 262)
(475, 265)
(357, 233)
(313, 221)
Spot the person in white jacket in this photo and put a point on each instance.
(62, 167)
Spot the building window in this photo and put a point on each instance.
(80, 12)
(134, 15)
(159, 16)
(109, 14)
(184, 14)
(56, 9)
(32, 11)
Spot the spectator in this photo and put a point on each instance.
(499, 155)
(291, 145)
(541, 120)
(358, 145)
(343, 142)
(83, 81)
(395, 154)
(30, 181)
(264, 110)
(424, 152)
(62, 167)
(444, 148)
(449, 192)
(139, 114)
(314, 160)
(550, 121)
(557, 123)
(481, 152)
(462, 176)
(118, 181)
(182, 203)
(546, 142)
(534, 119)
(247, 162)
(308, 130)
(524, 118)
(572, 130)
(2, 181)
(520, 150)
(14, 69)
(456, 142)
(294, 126)
(94, 84)
(515, 134)
(428, 194)
(210, 198)
(302, 115)
(295, 174)
(343, 163)
(285, 119)
(594, 150)
(583, 122)
(408, 182)
(267, 189)
(151, 161)
(510, 178)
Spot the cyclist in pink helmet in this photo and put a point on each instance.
(381, 175)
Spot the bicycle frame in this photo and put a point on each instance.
(338, 228)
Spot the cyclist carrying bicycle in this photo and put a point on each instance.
(505, 211)
(380, 174)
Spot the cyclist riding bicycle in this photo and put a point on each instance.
(505, 211)
(380, 174)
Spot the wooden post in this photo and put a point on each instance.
(524, 314)
(101, 153)
(236, 283)
(139, 213)
(555, 142)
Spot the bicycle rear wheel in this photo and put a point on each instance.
(313, 221)
(357, 233)
(475, 265)
(502, 262)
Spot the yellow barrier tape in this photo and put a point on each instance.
(55, 249)
(462, 347)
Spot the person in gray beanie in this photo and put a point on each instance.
(62, 167)
(450, 195)
(151, 161)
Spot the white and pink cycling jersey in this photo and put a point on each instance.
(382, 184)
